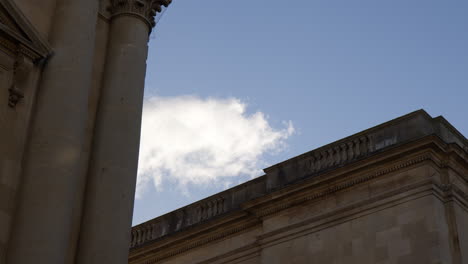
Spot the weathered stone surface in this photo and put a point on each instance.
(395, 193)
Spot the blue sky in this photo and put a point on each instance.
(331, 68)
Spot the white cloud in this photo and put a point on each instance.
(190, 140)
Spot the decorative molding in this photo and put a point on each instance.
(323, 193)
(451, 190)
(144, 9)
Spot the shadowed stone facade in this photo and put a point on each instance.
(395, 193)
(71, 91)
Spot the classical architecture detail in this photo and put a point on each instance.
(203, 211)
(17, 34)
(19, 39)
(352, 201)
(210, 209)
(21, 70)
(338, 155)
(321, 194)
(145, 9)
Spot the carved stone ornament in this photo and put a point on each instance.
(15, 96)
(144, 9)
(21, 70)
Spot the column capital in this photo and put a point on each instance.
(144, 9)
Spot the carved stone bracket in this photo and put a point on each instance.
(15, 96)
(144, 9)
(21, 70)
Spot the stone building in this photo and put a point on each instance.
(71, 80)
(71, 91)
(395, 193)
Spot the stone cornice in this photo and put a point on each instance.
(143, 9)
(17, 34)
(285, 201)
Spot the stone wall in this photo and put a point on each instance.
(413, 231)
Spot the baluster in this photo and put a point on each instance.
(357, 149)
(311, 164)
(138, 237)
(363, 145)
(199, 214)
(330, 158)
(324, 160)
(337, 155)
(148, 233)
(350, 150)
(204, 211)
(370, 144)
(215, 207)
(132, 241)
(210, 209)
(222, 205)
(317, 162)
(344, 152)
(144, 231)
(153, 231)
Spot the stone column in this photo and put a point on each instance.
(41, 232)
(105, 233)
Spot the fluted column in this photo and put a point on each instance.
(41, 232)
(105, 233)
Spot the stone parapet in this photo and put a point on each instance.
(349, 152)
(393, 133)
